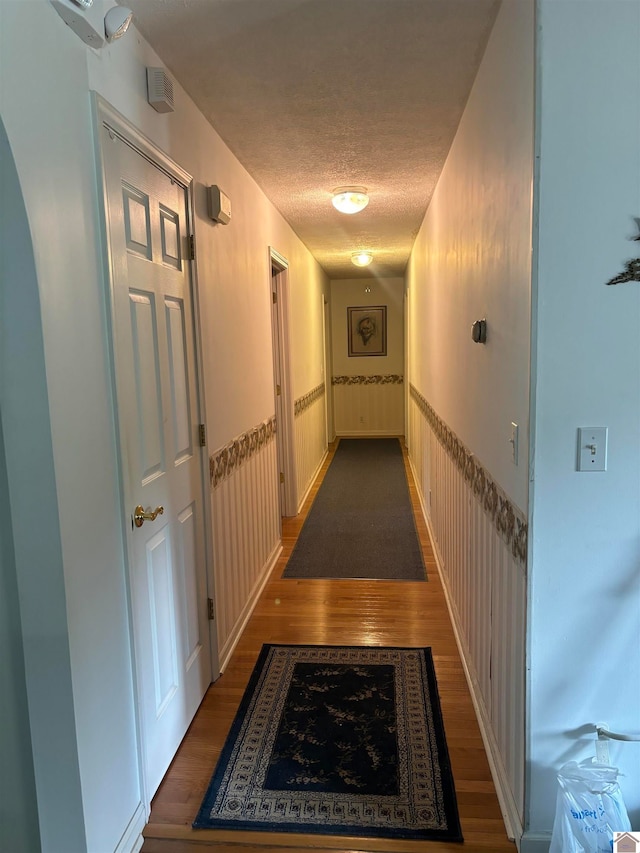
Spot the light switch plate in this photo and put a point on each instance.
(592, 448)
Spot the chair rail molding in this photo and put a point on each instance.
(508, 520)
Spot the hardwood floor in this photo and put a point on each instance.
(357, 612)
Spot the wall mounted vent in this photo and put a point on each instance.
(160, 90)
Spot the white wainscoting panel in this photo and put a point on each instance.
(310, 439)
(246, 529)
(480, 542)
(368, 405)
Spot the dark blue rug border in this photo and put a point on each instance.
(453, 834)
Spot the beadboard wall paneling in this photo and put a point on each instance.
(368, 405)
(310, 439)
(246, 528)
(480, 540)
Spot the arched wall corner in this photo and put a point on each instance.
(34, 566)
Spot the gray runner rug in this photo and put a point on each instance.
(361, 523)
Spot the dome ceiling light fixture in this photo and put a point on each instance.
(350, 199)
(116, 22)
(361, 259)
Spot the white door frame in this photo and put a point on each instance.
(325, 372)
(328, 387)
(105, 114)
(285, 425)
(406, 312)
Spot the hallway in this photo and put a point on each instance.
(357, 612)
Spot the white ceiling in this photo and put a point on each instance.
(311, 95)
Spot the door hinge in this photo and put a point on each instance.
(274, 297)
(210, 611)
(281, 477)
(202, 433)
(192, 247)
(278, 390)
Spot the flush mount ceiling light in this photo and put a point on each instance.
(116, 22)
(361, 259)
(350, 199)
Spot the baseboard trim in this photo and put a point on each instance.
(535, 842)
(379, 433)
(510, 816)
(312, 481)
(247, 610)
(132, 840)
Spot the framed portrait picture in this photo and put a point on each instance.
(367, 330)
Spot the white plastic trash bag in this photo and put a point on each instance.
(589, 809)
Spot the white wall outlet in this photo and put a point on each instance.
(592, 448)
(513, 441)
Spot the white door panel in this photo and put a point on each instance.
(147, 426)
(159, 586)
(179, 379)
(158, 413)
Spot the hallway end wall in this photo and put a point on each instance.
(368, 391)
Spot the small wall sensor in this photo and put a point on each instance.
(479, 332)
(160, 90)
(219, 205)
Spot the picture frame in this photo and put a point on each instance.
(367, 330)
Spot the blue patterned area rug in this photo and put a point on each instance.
(337, 740)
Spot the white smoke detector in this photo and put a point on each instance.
(160, 90)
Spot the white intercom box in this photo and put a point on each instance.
(219, 205)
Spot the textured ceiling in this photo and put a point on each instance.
(311, 95)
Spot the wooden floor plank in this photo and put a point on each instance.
(334, 612)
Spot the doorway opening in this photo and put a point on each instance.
(283, 391)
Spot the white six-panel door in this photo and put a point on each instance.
(158, 414)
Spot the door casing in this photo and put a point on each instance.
(105, 114)
(284, 403)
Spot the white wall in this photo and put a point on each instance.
(73, 601)
(472, 260)
(376, 409)
(18, 831)
(584, 596)
(234, 267)
(234, 285)
(45, 106)
(351, 293)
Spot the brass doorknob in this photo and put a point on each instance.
(140, 516)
